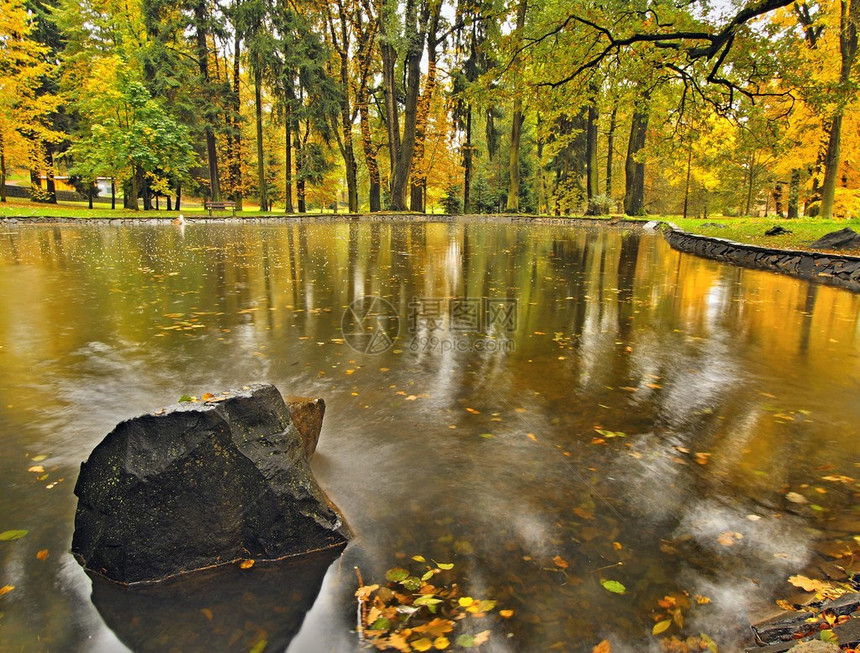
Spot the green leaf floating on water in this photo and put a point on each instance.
(396, 575)
(613, 586)
(8, 536)
(186, 399)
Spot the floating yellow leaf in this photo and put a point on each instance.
(441, 643)
(808, 584)
(473, 411)
(560, 562)
(6, 589)
(507, 614)
(419, 558)
(466, 601)
(39, 458)
(423, 644)
(661, 626)
(207, 613)
(207, 396)
(246, 564)
(42, 555)
(603, 647)
(36, 469)
(365, 591)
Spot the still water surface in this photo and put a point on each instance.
(733, 388)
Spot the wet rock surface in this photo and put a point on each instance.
(843, 239)
(202, 484)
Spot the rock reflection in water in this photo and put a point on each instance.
(223, 609)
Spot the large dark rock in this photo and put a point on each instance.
(198, 485)
(845, 238)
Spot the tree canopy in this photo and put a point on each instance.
(552, 106)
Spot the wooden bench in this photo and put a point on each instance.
(220, 206)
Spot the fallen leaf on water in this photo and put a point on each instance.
(808, 584)
(366, 590)
(560, 562)
(702, 458)
(579, 511)
(246, 564)
(423, 644)
(613, 586)
(441, 643)
(603, 647)
(207, 396)
(661, 626)
(207, 613)
(42, 555)
(532, 437)
(794, 497)
(36, 469)
(702, 600)
(729, 538)
(39, 458)
(507, 614)
(473, 411)
(8, 536)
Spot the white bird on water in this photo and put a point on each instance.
(179, 220)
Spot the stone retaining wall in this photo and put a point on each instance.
(832, 269)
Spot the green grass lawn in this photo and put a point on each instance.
(751, 230)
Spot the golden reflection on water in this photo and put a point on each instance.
(731, 386)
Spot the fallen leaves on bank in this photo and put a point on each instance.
(421, 611)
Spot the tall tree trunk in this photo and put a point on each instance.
(591, 186)
(402, 149)
(365, 39)
(288, 159)
(610, 150)
(634, 193)
(2, 168)
(467, 163)
(300, 182)
(419, 175)
(178, 196)
(236, 154)
(201, 20)
(146, 194)
(750, 183)
(517, 120)
(687, 180)
(261, 162)
(543, 202)
(389, 94)
(794, 194)
(113, 193)
(341, 45)
(131, 202)
(50, 184)
(849, 24)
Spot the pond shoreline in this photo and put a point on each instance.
(840, 270)
(832, 269)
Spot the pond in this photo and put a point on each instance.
(561, 407)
